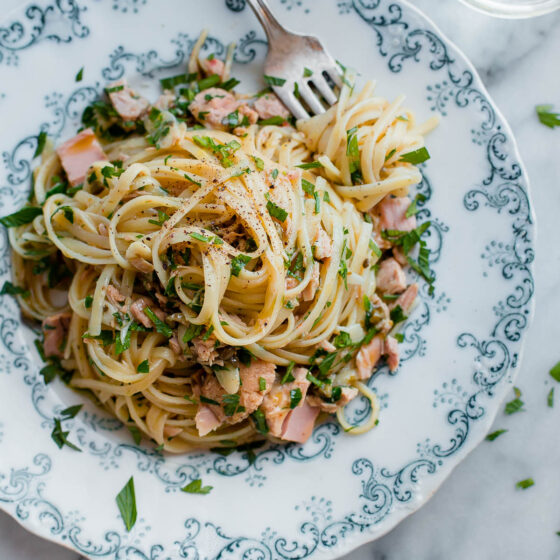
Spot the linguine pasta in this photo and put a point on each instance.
(226, 282)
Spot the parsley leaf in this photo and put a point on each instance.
(417, 156)
(288, 376)
(11, 290)
(524, 484)
(547, 117)
(397, 315)
(160, 326)
(136, 434)
(276, 211)
(295, 397)
(238, 263)
(516, 405)
(311, 165)
(260, 422)
(494, 435)
(126, 500)
(231, 404)
(80, 75)
(24, 216)
(143, 367)
(195, 487)
(274, 81)
(41, 141)
(278, 121)
(412, 210)
(71, 411)
(60, 437)
(353, 150)
(555, 372)
(550, 398)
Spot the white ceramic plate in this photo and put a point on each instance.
(462, 345)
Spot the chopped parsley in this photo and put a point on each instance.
(200, 237)
(41, 141)
(262, 384)
(515, 405)
(126, 501)
(192, 332)
(259, 163)
(295, 397)
(417, 156)
(231, 405)
(342, 340)
(555, 372)
(524, 484)
(397, 315)
(24, 216)
(278, 121)
(11, 290)
(307, 73)
(223, 152)
(234, 120)
(276, 211)
(260, 422)
(412, 210)
(162, 218)
(206, 400)
(550, 398)
(312, 379)
(136, 434)
(238, 264)
(353, 150)
(311, 165)
(494, 435)
(160, 326)
(172, 81)
(143, 367)
(274, 81)
(79, 75)
(288, 376)
(195, 487)
(547, 117)
(60, 437)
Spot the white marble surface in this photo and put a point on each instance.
(478, 513)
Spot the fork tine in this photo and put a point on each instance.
(318, 80)
(310, 98)
(334, 75)
(291, 102)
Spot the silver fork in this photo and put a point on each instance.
(299, 60)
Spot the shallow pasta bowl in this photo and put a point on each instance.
(461, 346)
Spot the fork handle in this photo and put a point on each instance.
(267, 19)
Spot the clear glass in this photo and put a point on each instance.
(514, 8)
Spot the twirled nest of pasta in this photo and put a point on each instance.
(215, 287)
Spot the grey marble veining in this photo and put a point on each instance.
(478, 514)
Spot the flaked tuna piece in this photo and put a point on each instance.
(165, 101)
(391, 349)
(347, 394)
(309, 293)
(205, 352)
(174, 345)
(205, 420)
(213, 66)
(399, 256)
(171, 431)
(390, 277)
(212, 105)
(291, 282)
(250, 396)
(407, 298)
(137, 311)
(127, 103)
(392, 211)
(246, 111)
(276, 405)
(368, 356)
(78, 154)
(114, 296)
(55, 331)
(322, 245)
(268, 106)
(299, 423)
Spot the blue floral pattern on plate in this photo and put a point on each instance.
(321, 524)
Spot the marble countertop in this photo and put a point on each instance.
(478, 512)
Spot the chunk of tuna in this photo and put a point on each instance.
(55, 331)
(129, 105)
(299, 423)
(407, 298)
(268, 106)
(165, 101)
(213, 66)
(392, 212)
(78, 154)
(276, 403)
(205, 352)
(390, 277)
(309, 293)
(114, 296)
(205, 420)
(391, 349)
(137, 311)
(171, 431)
(246, 111)
(322, 245)
(347, 394)
(368, 356)
(212, 105)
